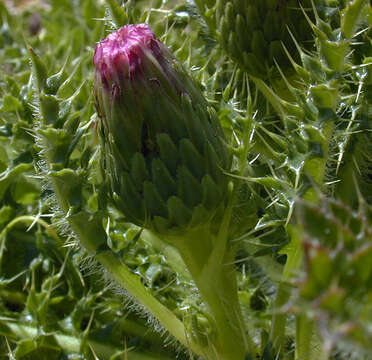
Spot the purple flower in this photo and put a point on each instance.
(131, 58)
(118, 57)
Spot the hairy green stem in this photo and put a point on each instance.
(214, 275)
(90, 236)
(293, 263)
(304, 333)
(279, 319)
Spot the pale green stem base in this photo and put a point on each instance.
(293, 263)
(216, 281)
(279, 319)
(304, 333)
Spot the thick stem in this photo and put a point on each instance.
(279, 318)
(304, 333)
(133, 285)
(218, 288)
(294, 261)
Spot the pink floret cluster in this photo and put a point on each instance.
(119, 56)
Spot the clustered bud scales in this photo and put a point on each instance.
(164, 151)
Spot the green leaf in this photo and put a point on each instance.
(361, 263)
(9, 175)
(118, 14)
(69, 185)
(325, 96)
(269, 182)
(41, 348)
(294, 252)
(6, 213)
(10, 103)
(25, 191)
(39, 70)
(351, 16)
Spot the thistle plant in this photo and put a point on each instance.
(210, 183)
(165, 157)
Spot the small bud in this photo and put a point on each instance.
(164, 149)
(254, 32)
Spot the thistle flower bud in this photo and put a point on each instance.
(253, 32)
(164, 152)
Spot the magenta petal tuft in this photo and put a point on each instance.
(120, 55)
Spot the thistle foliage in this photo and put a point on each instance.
(253, 32)
(299, 238)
